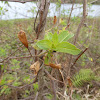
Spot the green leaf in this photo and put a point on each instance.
(55, 39)
(36, 87)
(47, 58)
(17, 83)
(48, 36)
(35, 47)
(49, 96)
(64, 36)
(68, 37)
(66, 47)
(44, 44)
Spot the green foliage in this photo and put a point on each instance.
(58, 5)
(49, 96)
(76, 96)
(27, 92)
(48, 57)
(2, 52)
(29, 29)
(2, 9)
(44, 44)
(36, 87)
(57, 42)
(83, 76)
(6, 90)
(15, 64)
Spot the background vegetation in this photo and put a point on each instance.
(16, 78)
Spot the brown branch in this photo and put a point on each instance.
(36, 96)
(28, 98)
(11, 54)
(88, 4)
(29, 52)
(71, 12)
(82, 20)
(53, 85)
(21, 87)
(79, 57)
(35, 20)
(53, 90)
(20, 1)
(51, 77)
(78, 30)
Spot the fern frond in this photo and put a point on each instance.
(83, 76)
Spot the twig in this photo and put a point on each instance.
(62, 76)
(53, 90)
(35, 20)
(40, 55)
(79, 57)
(53, 84)
(82, 20)
(78, 30)
(11, 54)
(28, 98)
(70, 13)
(52, 77)
(88, 4)
(29, 52)
(60, 94)
(21, 1)
(36, 96)
(21, 87)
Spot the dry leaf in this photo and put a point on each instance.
(55, 20)
(57, 66)
(35, 67)
(22, 38)
(69, 81)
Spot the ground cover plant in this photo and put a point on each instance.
(42, 67)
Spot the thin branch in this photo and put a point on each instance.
(29, 52)
(53, 90)
(51, 77)
(11, 54)
(21, 1)
(82, 20)
(88, 4)
(36, 96)
(35, 20)
(28, 98)
(21, 87)
(8, 58)
(79, 57)
(71, 12)
(60, 94)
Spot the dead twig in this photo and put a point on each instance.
(51, 77)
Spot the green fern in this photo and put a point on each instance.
(83, 76)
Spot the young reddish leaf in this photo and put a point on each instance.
(55, 20)
(69, 81)
(57, 66)
(22, 38)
